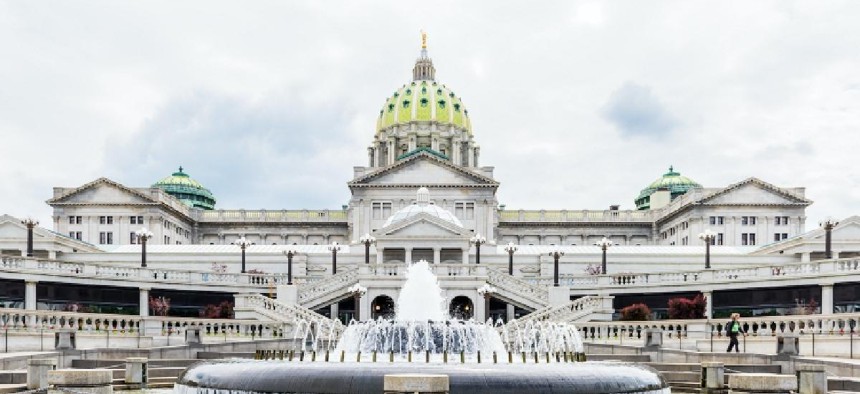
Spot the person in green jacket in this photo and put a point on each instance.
(733, 329)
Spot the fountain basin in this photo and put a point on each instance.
(336, 378)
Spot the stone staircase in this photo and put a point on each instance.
(517, 291)
(160, 373)
(579, 310)
(327, 291)
(255, 306)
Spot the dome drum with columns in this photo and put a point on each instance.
(423, 114)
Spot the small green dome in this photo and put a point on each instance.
(187, 190)
(424, 101)
(672, 181)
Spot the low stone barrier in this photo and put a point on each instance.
(761, 383)
(37, 372)
(91, 381)
(416, 383)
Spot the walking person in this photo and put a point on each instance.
(733, 329)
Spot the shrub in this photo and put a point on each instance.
(636, 312)
(159, 306)
(684, 308)
(224, 310)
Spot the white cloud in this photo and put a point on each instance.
(131, 90)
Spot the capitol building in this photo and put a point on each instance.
(424, 193)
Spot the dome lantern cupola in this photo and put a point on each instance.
(423, 70)
(665, 189)
(187, 190)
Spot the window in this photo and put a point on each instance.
(105, 219)
(748, 220)
(464, 210)
(71, 220)
(79, 219)
(781, 220)
(717, 220)
(106, 238)
(713, 220)
(166, 240)
(780, 236)
(381, 210)
(684, 240)
(132, 239)
(136, 220)
(76, 235)
(719, 239)
(748, 239)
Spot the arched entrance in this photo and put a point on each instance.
(461, 308)
(382, 306)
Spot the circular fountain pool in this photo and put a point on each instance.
(335, 377)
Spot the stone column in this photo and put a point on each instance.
(510, 312)
(466, 256)
(144, 301)
(37, 372)
(437, 255)
(811, 379)
(334, 311)
(827, 299)
(709, 304)
(30, 295)
(370, 157)
(713, 377)
(379, 255)
(408, 257)
(805, 257)
(835, 254)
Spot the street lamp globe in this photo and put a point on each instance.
(143, 234)
(243, 243)
(367, 239)
(511, 247)
(707, 235)
(478, 239)
(604, 243)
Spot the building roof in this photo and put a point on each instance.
(423, 205)
(222, 249)
(187, 190)
(672, 181)
(632, 250)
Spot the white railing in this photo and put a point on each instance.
(41, 321)
(241, 215)
(440, 270)
(277, 310)
(518, 288)
(757, 326)
(335, 285)
(575, 216)
(567, 313)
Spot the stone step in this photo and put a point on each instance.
(846, 384)
(12, 388)
(17, 376)
(679, 376)
(753, 368)
(677, 367)
(632, 358)
(224, 355)
(120, 364)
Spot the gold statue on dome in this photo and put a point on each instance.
(423, 39)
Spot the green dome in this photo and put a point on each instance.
(672, 181)
(187, 190)
(424, 101)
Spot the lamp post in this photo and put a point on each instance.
(334, 248)
(828, 224)
(604, 244)
(243, 243)
(486, 291)
(358, 291)
(367, 240)
(511, 249)
(143, 235)
(708, 236)
(478, 240)
(290, 253)
(556, 254)
(30, 223)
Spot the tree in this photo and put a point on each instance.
(684, 308)
(636, 312)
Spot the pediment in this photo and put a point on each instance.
(754, 192)
(846, 230)
(424, 226)
(424, 170)
(102, 191)
(12, 230)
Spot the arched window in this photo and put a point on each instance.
(461, 308)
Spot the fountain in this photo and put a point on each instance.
(422, 338)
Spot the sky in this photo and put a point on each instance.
(577, 104)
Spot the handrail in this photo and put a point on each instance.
(539, 295)
(566, 313)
